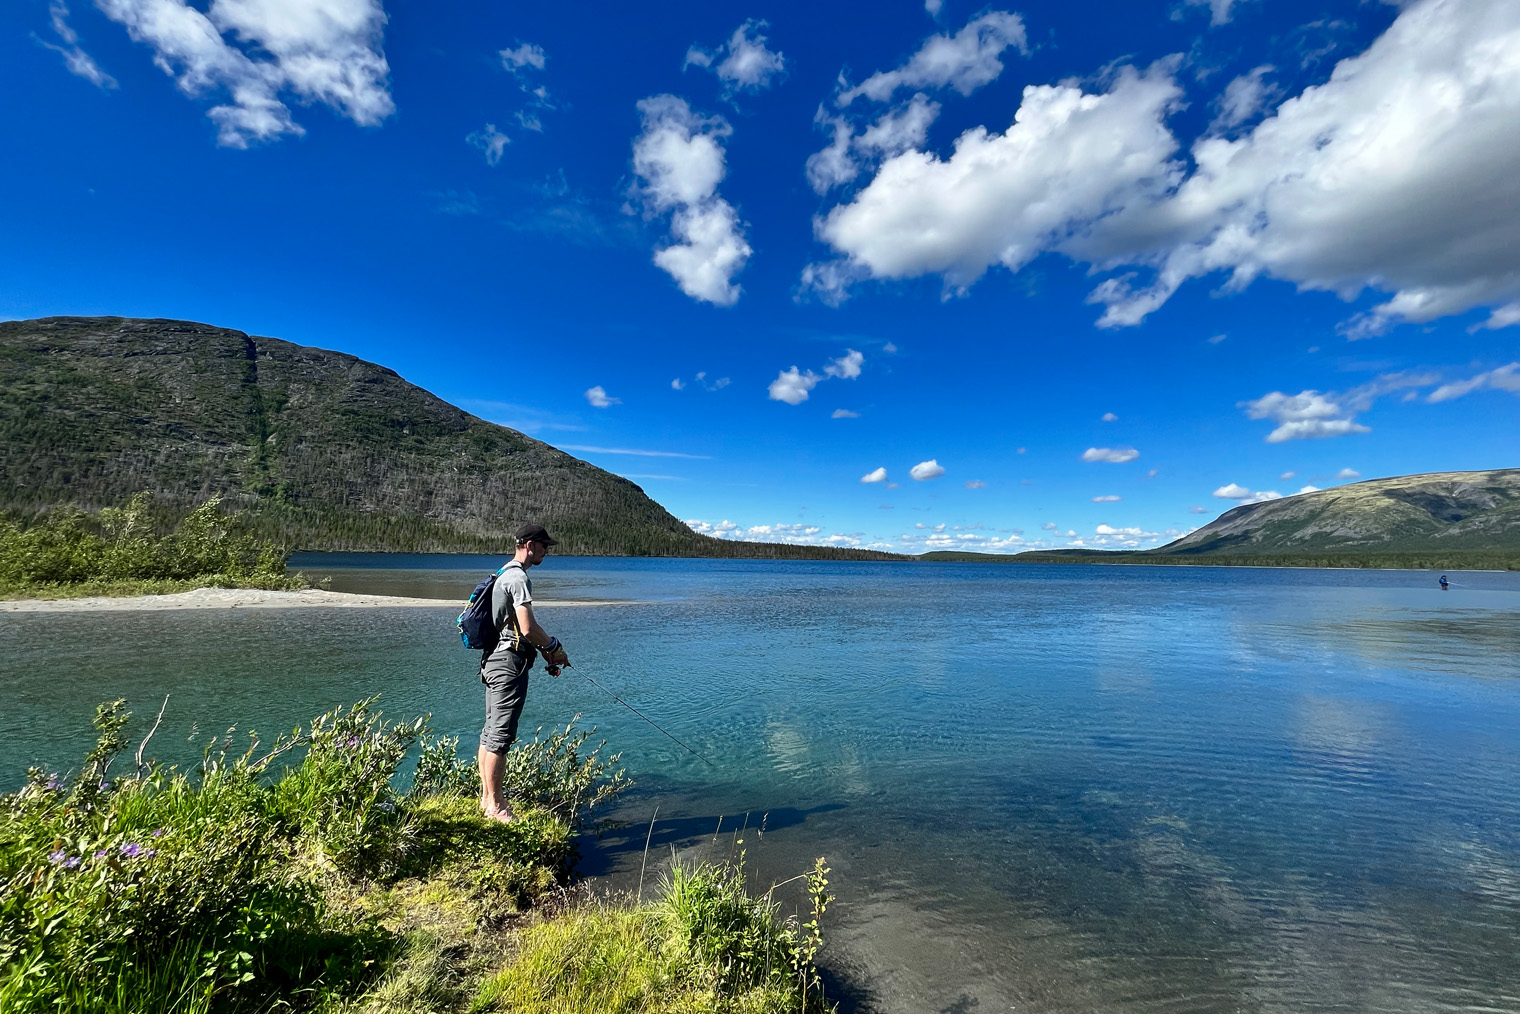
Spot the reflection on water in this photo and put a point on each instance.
(1055, 789)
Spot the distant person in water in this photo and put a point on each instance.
(1444, 582)
(504, 668)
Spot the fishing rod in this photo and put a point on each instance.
(554, 670)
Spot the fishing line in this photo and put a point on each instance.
(645, 717)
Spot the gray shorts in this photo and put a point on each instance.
(505, 674)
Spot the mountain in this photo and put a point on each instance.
(321, 449)
(1439, 511)
(1442, 520)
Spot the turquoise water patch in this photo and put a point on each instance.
(1051, 788)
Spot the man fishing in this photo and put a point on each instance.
(504, 668)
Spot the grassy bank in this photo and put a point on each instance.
(135, 550)
(299, 876)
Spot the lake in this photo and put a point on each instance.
(1042, 788)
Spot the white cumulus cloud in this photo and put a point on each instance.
(976, 484)
(252, 54)
(1114, 455)
(1235, 491)
(844, 413)
(925, 470)
(792, 386)
(679, 160)
(1303, 416)
(1109, 498)
(878, 475)
(1395, 175)
(743, 62)
(1348, 473)
(1068, 159)
(846, 366)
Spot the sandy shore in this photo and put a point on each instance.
(246, 598)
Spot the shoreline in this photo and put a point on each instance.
(252, 598)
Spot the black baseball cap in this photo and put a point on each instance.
(535, 533)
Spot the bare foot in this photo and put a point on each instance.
(501, 814)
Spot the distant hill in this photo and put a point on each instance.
(1439, 511)
(324, 450)
(1440, 519)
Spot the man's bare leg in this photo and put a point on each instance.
(492, 767)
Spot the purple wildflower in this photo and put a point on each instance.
(105, 786)
(57, 857)
(131, 850)
(159, 833)
(150, 853)
(54, 782)
(353, 742)
(101, 854)
(72, 862)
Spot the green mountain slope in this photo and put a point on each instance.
(325, 450)
(1439, 511)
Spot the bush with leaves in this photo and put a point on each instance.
(211, 888)
(561, 775)
(121, 544)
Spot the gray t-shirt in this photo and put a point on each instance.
(512, 589)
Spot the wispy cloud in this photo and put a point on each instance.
(599, 398)
(630, 450)
(1504, 378)
(79, 63)
(524, 418)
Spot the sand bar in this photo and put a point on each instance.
(250, 598)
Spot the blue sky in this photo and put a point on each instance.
(1050, 274)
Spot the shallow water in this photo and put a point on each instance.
(1044, 788)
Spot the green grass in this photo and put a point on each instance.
(300, 875)
(706, 945)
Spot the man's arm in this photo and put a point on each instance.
(527, 623)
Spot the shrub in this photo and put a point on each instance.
(229, 886)
(119, 544)
(340, 799)
(555, 773)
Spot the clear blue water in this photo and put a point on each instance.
(1116, 789)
